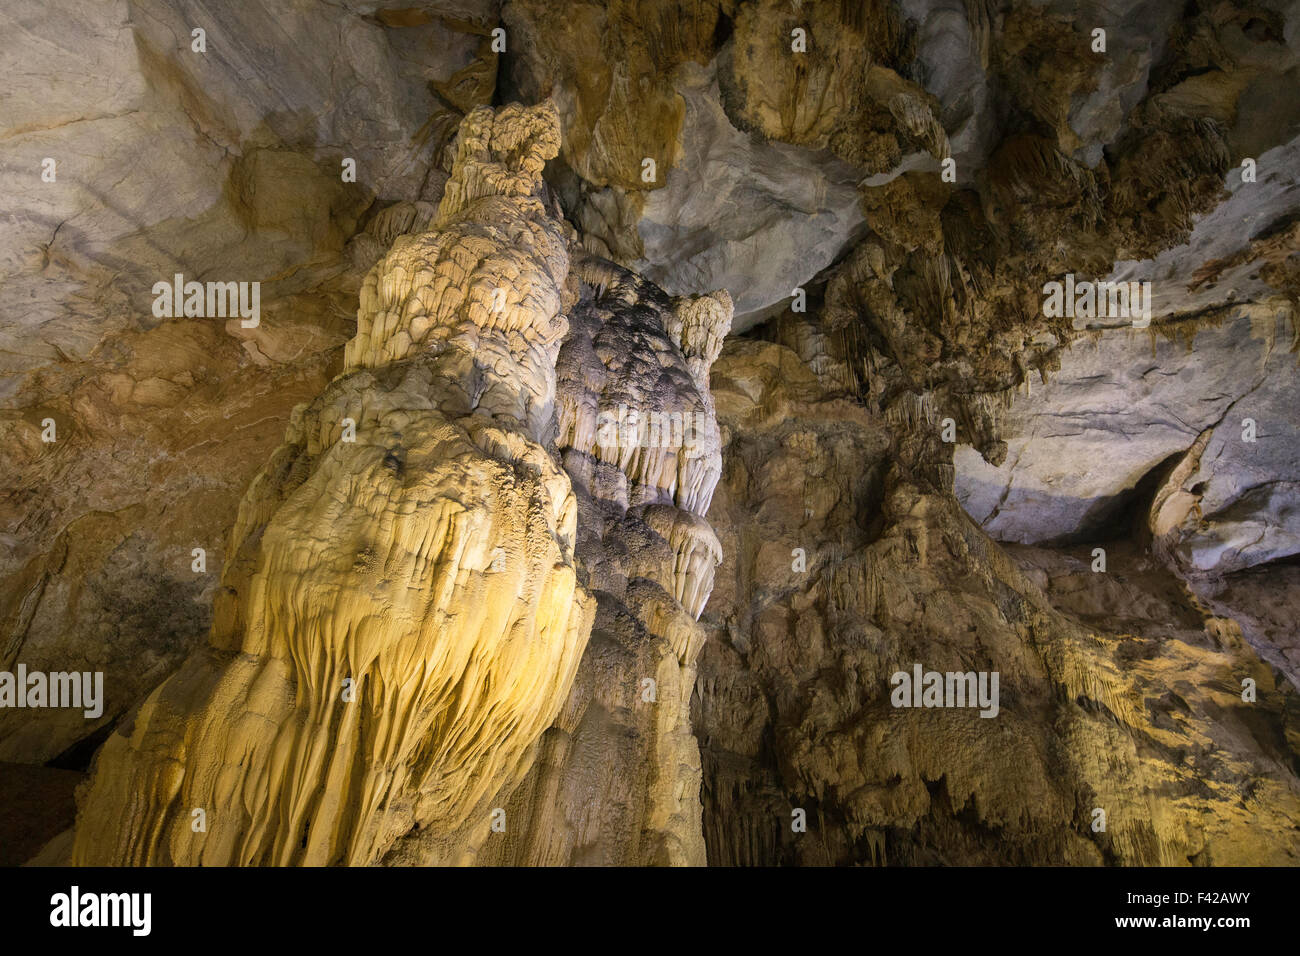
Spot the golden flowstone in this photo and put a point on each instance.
(402, 618)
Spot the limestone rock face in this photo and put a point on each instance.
(846, 572)
(774, 216)
(638, 82)
(846, 95)
(273, 119)
(1125, 403)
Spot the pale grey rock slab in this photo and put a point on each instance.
(1079, 446)
(741, 214)
(147, 135)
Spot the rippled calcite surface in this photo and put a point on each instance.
(402, 616)
(414, 576)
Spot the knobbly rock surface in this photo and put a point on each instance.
(1115, 688)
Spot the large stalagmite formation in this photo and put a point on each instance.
(403, 617)
(411, 541)
(618, 781)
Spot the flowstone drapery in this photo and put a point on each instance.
(405, 610)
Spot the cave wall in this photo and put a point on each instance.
(834, 262)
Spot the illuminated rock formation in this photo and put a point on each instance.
(617, 777)
(402, 616)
